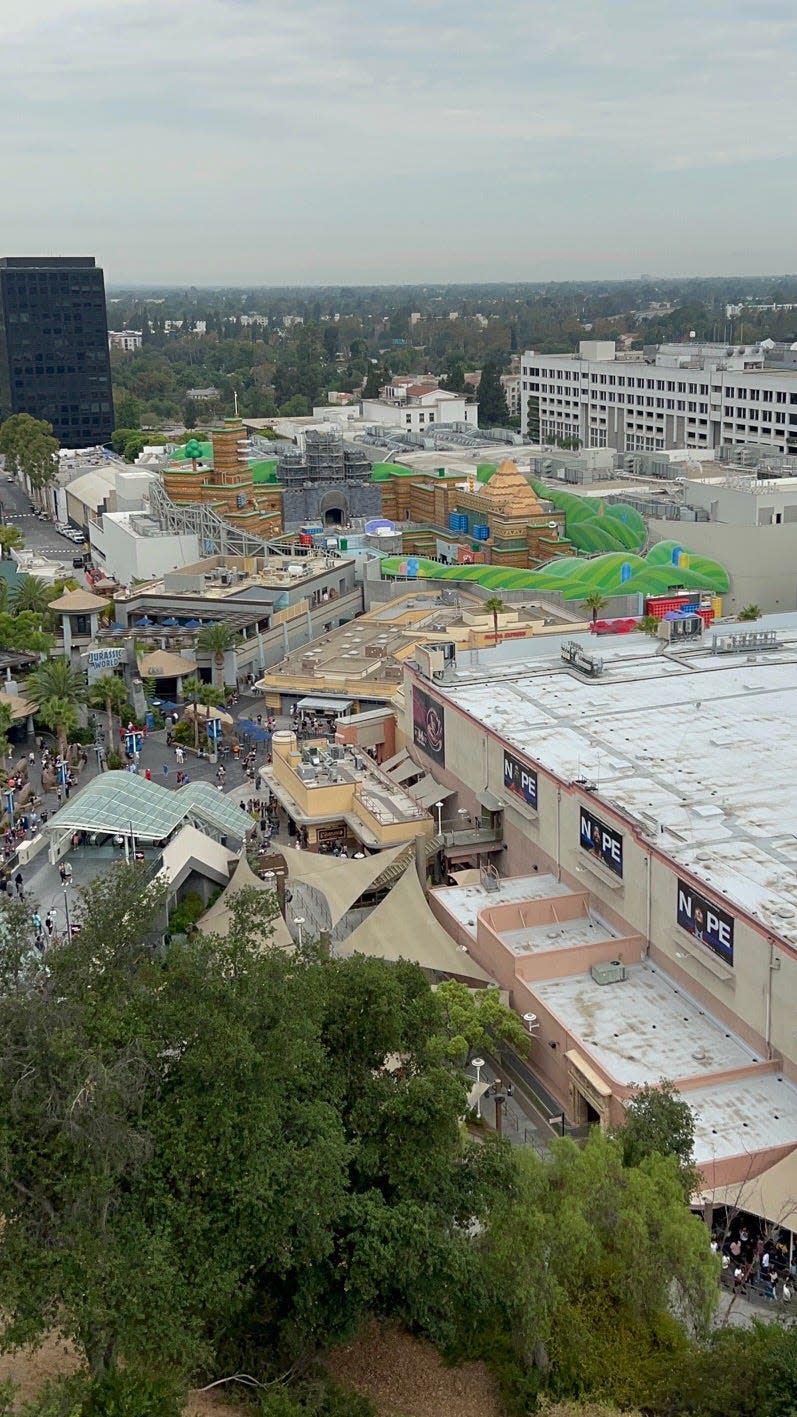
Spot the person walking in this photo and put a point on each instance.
(20, 885)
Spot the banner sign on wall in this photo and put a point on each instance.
(602, 842)
(428, 725)
(105, 658)
(708, 923)
(520, 780)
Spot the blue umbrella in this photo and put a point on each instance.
(171, 621)
(117, 628)
(145, 620)
(191, 624)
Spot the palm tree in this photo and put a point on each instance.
(217, 640)
(594, 602)
(197, 692)
(495, 607)
(62, 716)
(59, 691)
(11, 539)
(5, 724)
(108, 692)
(33, 594)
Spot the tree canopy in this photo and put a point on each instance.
(493, 407)
(30, 449)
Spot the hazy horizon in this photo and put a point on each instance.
(239, 142)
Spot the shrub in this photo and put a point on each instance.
(114, 760)
(186, 914)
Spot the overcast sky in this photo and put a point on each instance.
(257, 141)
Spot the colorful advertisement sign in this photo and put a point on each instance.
(708, 923)
(428, 725)
(602, 842)
(520, 780)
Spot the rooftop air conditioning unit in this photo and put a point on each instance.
(612, 973)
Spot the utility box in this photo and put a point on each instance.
(612, 973)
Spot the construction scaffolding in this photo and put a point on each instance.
(325, 458)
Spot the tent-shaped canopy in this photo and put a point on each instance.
(216, 921)
(341, 881)
(772, 1195)
(403, 927)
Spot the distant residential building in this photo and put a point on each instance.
(54, 358)
(338, 397)
(125, 339)
(680, 396)
(417, 403)
(208, 394)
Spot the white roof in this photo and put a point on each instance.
(696, 748)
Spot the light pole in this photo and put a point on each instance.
(478, 1064)
(298, 920)
(439, 807)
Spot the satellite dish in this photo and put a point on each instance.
(691, 334)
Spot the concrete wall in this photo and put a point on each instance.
(760, 560)
(127, 557)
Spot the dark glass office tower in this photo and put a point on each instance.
(54, 361)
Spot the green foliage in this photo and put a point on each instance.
(657, 1119)
(121, 1393)
(475, 1021)
(493, 408)
(185, 915)
(585, 1258)
(649, 625)
(314, 1397)
(30, 449)
(34, 595)
(11, 539)
(750, 612)
(114, 761)
(739, 1372)
(217, 640)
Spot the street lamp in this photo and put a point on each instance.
(439, 807)
(478, 1064)
(298, 920)
(532, 1022)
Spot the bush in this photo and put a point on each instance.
(186, 914)
(114, 760)
(183, 733)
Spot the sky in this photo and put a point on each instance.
(272, 142)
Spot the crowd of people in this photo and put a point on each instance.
(756, 1265)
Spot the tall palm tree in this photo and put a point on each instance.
(495, 607)
(62, 717)
(217, 640)
(11, 539)
(59, 691)
(197, 692)
(595, 602)
(31, 593)
(108, 692)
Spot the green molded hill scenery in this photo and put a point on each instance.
(594, 525)
(265, 471)
(616, 573)
(381, 471)
(206, 453)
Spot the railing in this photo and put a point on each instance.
(472, 836)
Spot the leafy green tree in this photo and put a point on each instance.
(224, 1153)
(30, 449)
(493, 407)
(740, 1372)
(659, 1120)
(475, 1022)
(5, 726)
(217, 640)
(22, 631)
(373, 383)
(128, 410)
(594, 602)
(108, 692)
(495, 607)
(589, 1262)
(11, 539)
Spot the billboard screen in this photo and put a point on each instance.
(520, 780)
(428, 725)
(602, 842)
(708, 923)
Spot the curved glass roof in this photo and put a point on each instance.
(119, 801)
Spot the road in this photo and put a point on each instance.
(40, 537)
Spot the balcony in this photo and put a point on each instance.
(462, 837)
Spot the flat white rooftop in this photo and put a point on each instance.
(743, 1117)
(561, 935)
(466, 903)
(644, 1028)
(698, 749)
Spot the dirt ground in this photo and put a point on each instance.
(406, 1378)
(30, 1369)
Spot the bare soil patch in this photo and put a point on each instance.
(405, 1377)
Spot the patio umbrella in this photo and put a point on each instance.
(246, 725)
(170, 621)
(145, 620)
(193, 624)
(117, 628)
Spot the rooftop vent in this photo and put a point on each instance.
(612, 973)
